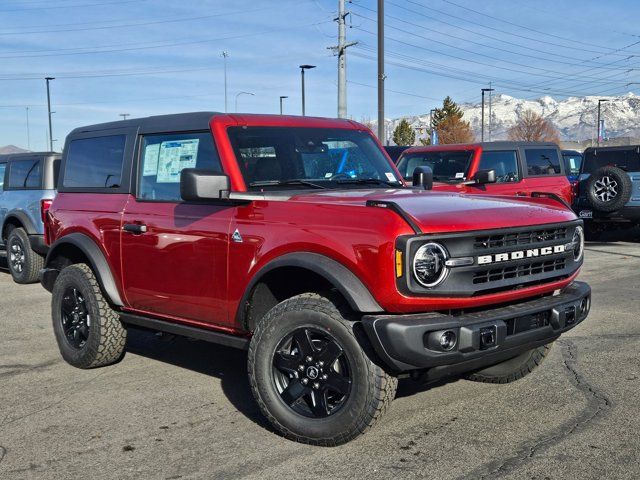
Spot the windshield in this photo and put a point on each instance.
(626, 159)
(450, 167)
(303, 158)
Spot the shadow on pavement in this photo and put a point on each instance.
(611, 236)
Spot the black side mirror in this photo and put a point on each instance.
(423, 177)
(201, 185)
(484, 176)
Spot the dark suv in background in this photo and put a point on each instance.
(608, 194)
(27, 188)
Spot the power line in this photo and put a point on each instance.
(53, 7)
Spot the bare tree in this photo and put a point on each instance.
(533, 128)
(454, 130)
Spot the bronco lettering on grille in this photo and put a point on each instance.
(520, 254)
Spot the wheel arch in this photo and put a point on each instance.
(80, 248)
(18, 219)
(304, 272)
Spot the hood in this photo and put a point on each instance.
(445, 212)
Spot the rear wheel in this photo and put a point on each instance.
(608, 189)
(24, 264)
(310, 375)
(89, 332)
(512, 369)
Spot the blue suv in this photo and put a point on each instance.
(27, 188)
(609, 188)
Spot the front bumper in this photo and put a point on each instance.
(484, 338)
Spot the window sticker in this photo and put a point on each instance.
(151, 154)
(460, 175)
(175, 156)
(390, 176)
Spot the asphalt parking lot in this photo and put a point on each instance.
(175, 408)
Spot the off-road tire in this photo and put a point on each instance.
(624, 188)
(107, 335)
(32, 263)
(512, 369)
(372, 389)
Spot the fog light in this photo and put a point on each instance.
(448, 341)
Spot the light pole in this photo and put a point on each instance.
(302, 69)
(28, 133)
(599, 129)
(483, 90)
(282, 97)
(124, 115)
(48, 79)
(381, 75)
(225, 54)
(242, 93)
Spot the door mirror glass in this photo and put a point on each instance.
(483, 177)
(423, 177)
(202, 185)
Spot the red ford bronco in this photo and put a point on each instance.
(295, 238)
(494, 168)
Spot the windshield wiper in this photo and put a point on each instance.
(266, 183)
(374, 181)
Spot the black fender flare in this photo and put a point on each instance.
(344, 280)
(24, 220)
(97, 261)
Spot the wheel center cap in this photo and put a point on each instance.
(312, 373)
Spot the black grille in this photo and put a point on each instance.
(517, 271)
(514, 239)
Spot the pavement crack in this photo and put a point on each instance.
(17, 369)
(597, 404)
(3, 452)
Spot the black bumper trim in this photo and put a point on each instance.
(400, 342)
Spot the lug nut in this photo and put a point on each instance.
(316, 385)
(321, 363)
(301, 367)
(309, 359)
(324, 377)
(305, 381)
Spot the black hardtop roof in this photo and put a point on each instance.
(514, 144)
(174, 121)
(19, 156)
(571, 152)
(612, 149)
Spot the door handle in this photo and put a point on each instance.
(522, 194)
(134, 228)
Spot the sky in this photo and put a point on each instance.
(147, 57)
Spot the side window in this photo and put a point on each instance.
(25, 174)
(164, 156)
(542, 161)
(3, 169)
(95, 162)
(504, 163)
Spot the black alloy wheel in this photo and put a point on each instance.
(311, 372)
(16, 255)
(75, 317)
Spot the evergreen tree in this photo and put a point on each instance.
(404, 134)
(450, 109)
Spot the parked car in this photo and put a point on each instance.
(27, 187)
(608, 194)
(394, 151)
(521, 168)
(572, 162)
(294, 238)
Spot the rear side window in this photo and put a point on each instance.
(542, 161)
(504, 163)
(163, 158)
(95, 162)
(25, 174)
(628, 160)
(3, 169)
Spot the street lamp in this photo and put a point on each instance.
(225, 54)
(302, 69)
(242, 93)
(124, 115)
(599, 129)
(48, 79)
(282, 97)
(483, 90)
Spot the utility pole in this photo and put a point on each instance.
(483, 90)
(600, 130)
(341, 51)
(48, 79)
(282, 97)
(302, 69)
(225, 54)
(124, 115)
(490, 101)
(28, 133)
(381, 76)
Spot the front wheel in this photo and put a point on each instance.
(310, 375)
(512, 369)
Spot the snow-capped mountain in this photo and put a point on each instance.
(574, 117)
(8, 149)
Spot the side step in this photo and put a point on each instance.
(186, 331)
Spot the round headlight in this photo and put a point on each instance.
(578, 243)
(429, 266)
